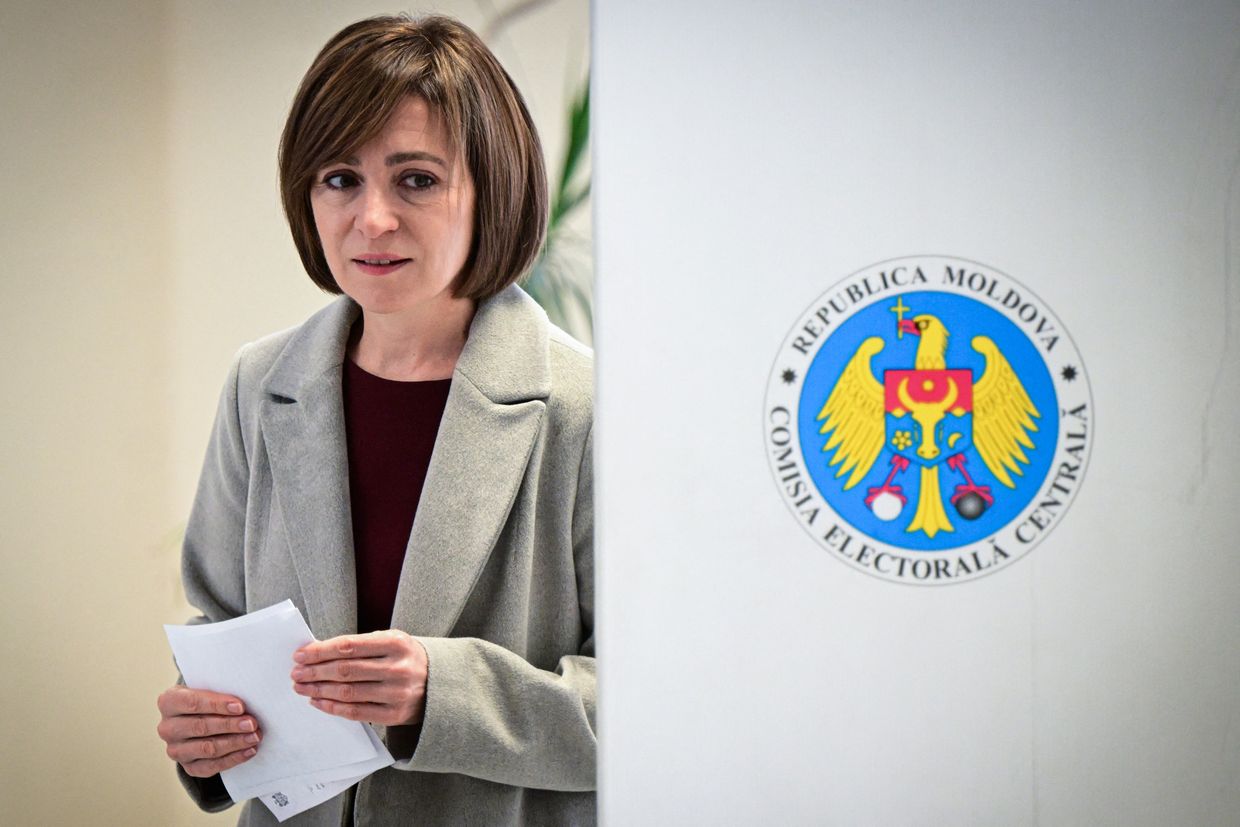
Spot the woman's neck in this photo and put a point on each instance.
(412, 346)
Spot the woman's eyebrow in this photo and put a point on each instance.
(404, 157)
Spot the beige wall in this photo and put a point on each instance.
(142, 244)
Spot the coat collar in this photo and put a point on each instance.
(489, 427)
(505, 354)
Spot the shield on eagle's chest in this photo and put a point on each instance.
(929, 413)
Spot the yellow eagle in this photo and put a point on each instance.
(855, 417)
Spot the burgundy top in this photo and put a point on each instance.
(390, 429)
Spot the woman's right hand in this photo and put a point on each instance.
(206, 732)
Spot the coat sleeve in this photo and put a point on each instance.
(491, 715)
(212, 564)
(211, 555)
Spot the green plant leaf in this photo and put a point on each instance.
(578, 134)
(561, 286)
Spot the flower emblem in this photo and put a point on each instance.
(901, 440)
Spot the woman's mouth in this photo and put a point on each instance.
(380, 266)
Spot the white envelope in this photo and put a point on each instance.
(306, 756)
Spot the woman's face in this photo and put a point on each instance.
(396, 218)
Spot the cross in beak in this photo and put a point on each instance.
(901, 325)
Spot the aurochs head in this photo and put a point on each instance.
(928, 415)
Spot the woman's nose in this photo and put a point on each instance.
(376, 215)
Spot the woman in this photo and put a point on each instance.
(412, 465)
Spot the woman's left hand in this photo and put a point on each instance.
(379, 678)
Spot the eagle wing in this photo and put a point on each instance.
(1003, 414)
(854, 413)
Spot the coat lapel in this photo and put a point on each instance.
(490, 425)
(302, 418)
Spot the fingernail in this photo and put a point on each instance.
(251, 752)
(252, 738)
(299, 672)
(247, 726)
(234, 708)
(300, 657)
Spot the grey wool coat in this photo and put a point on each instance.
(497, 581)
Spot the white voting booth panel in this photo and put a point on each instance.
(753, 163)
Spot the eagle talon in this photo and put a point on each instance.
(957, 462)
(982, 491)
(887, 500)
(899, 465)
(970, 499)
(894, 490)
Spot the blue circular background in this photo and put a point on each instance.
(964, 318)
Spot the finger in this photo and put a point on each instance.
(372, 645)
(346, 669)
(370, 713)
(218, 746)
(372, 692)
(212, 766)
(184, 727)
(181, 700)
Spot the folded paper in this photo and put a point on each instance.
(306, 756)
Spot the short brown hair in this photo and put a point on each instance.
(351, 90)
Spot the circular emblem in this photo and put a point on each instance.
(928, 420)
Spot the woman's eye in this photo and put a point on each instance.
(418, 181)
(339, 181)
